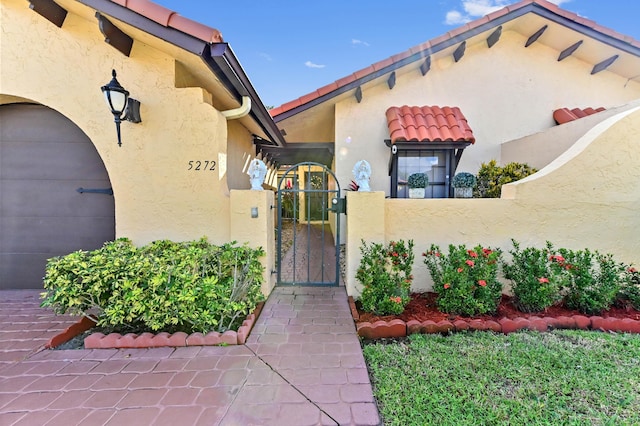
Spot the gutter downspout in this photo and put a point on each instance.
(222, 61)
(241, 111)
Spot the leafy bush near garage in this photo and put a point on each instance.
(169, 286)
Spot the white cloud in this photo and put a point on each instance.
(476, 8)
(312, 65)
(455, 18)
(356, 42)
(265, 56)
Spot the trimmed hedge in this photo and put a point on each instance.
(190, 286)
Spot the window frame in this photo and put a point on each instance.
(453, 153)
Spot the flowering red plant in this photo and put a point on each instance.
(465, 279)
(385, 274)
(537, 276)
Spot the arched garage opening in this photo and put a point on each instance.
(44, 160)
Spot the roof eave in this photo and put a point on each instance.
(223, 62)
(459, 38)
(218, 56)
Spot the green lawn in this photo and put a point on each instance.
(527, 378)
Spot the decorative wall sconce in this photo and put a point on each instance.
(122, 106)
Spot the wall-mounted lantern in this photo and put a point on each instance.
(122, 106)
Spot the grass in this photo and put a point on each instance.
(527, 378)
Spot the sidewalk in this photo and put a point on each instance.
(302, 365)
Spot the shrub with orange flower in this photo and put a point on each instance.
(537, 276)
(469, 277)
(385, 274)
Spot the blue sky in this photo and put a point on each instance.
(290, 48)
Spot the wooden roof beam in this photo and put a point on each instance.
(569, 50)
(50, 10)
(391, 81)
(535, 36)
(604, 64)
(425, 66)
(494, 37)
(114, 36)
(358, 94)
(459, 52)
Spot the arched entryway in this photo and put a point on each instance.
(308, 226)
(49, 206)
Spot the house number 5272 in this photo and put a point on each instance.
(197, 165)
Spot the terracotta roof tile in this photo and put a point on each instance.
(428, 124)
(565, 115)
(277, 110)
(327, 89)
(421, 47)
(153, 11)
(346, 80)
(291, 104)
(382, 64)
(498, 13)
(586, 22)
(440, 39)
(459, 30)
(171, 19)
(365, 71)
(199, 31)
(309, 97)
(400, 56)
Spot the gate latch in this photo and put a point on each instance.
(339, 205)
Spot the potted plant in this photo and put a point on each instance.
(417, 183)
(463, 184)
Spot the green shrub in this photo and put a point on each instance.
(191, 286)
(630, 288)
(463, 180)
(491, 177)
(537, 281)
(465, 280)
(385, 274)
(595, 279)
(417, 180)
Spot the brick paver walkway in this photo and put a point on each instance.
(302, 365)
(312, 258)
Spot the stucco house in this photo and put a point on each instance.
(495, 88)
(66, 185)
(531, 83)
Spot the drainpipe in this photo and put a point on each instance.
(241, 111)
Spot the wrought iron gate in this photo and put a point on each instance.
(309, 208)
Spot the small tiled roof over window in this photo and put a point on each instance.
(428, 124)
(565, 115)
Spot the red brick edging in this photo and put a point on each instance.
(399, 328)
(150, 340)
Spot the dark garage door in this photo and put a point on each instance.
(44, 159)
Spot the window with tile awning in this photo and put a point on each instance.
(428, 140)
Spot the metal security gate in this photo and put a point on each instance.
(309, 207)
